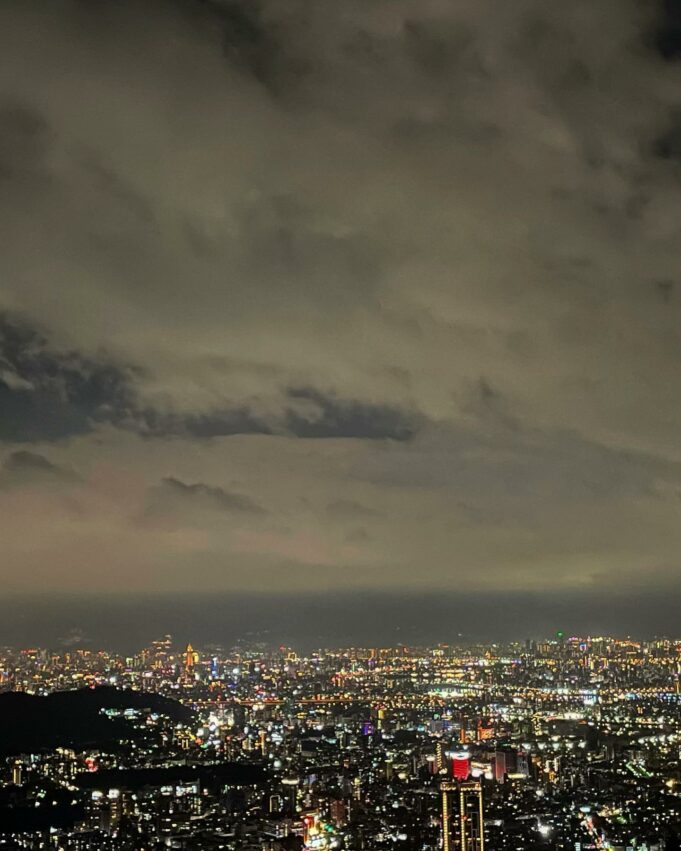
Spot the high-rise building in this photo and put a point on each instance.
(439, 756)
(522, 764)
(462, 827)
(447, 792)
(500, 766)
(191, 659)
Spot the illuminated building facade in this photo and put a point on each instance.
(461, 766)
(462, 826)
(191, 658)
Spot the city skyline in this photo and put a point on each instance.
(553, 745)
(340, 302)
(340, 402)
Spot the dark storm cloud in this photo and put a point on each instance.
(330, 417)
(308, 413)
(47, 394)
(312, 414)
(215, 424)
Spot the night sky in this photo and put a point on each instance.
(359, 315)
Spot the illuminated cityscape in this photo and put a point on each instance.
(340, 404)
(571, 743)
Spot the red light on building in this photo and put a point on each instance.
(461, 766)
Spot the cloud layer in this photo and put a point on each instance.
(361, 294)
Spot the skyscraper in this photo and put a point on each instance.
(469, 834)
(191, 659)
(439, 756)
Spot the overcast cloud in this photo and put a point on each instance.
(338, 295)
